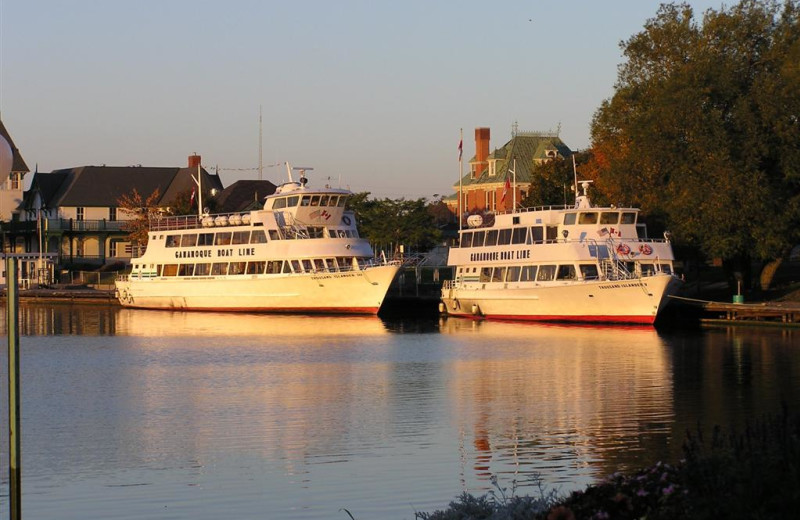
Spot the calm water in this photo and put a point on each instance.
(159, 415)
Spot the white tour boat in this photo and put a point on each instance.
(300, 253)
(580, 263)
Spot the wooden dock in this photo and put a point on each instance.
(776, 313)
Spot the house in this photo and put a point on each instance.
(244, 195)
(498, 180)
(74, 212)
(12, 188)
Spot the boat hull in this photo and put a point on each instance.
(348, 292)
(619, 301)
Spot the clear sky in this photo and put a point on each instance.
(371, 92)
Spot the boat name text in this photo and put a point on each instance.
(490, 256)
(206, 253)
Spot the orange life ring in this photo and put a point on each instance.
(645, 249)
(346, 220)
(623, 249)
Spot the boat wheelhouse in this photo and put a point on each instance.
(579, 263)
(300, 253)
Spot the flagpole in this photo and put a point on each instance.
(514, 189)
(460, 175)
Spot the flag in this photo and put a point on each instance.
(505, 189)
(191, 199)
(460, 148)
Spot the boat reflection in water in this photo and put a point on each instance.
(562, 399)
(102, 320)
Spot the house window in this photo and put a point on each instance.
(15, 181)
(79, 215)
(112, 213)
(492, 168)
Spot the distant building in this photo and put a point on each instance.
(74, 212)
(490, 185)
(244, 195)
(11, 190)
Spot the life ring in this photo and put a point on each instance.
(623, 249)
(346, 220)
(645, 249)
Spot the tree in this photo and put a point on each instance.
(389, 223)
(703, 128)
(142, 210)
(553, 182)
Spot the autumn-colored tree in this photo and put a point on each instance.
(141, 210)
(703, 128)
(393, 222)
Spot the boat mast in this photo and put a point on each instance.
(199, 183)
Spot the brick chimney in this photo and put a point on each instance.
(194, 161)
(481, 151)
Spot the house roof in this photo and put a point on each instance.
(528, 148)
(19, 163)
(102, 186)
(244, 195)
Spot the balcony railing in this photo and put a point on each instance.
(54, 225)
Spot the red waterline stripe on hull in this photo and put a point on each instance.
(648, 320)
(299, 310)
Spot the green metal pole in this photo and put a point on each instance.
(14, 447)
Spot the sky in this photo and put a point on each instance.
(371, 94)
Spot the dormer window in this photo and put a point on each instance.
(492, 168)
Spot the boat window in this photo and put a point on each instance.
(222, 239)
(498, 274)
(158, 269)
(173, 240)
(333, 201)
(241, 237)
(630, 266)
(255, 267)
(189, 240)
(279, 203)
(566, 272)
(315, 200)
(345, 264)
(609, 217)
(305, 200)
(274, 235)
(307, 265)
(552, 234)
(589, 217)
(323, 200)
(330, 264)
(486, 274)
(466, 239)
(518, 236)
(219, 268)
(546, 273)
(170, 270)
(665, 268)
(491, 238)
(504, 237)
(537, 234)
(528, 273)
(274, 266)
(292, 266)
(342, 201)
(512, 275)
(315, 232)
(477, 238)
(258, 237)
(629, 217)
(589, 271)
(319, 264)
(647, 269)
(569, 219)
(185, 269)
(236, 267)
(202, 269)
(205, 239)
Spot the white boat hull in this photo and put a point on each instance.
(612, 301)
(347, 292)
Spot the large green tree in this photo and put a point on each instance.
(703, 127)
(389, 223)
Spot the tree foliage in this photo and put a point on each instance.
(703, 127)
(389, 223)
(553, 182)
(141, 210)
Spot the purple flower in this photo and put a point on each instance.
(642, 493)
(668, 490)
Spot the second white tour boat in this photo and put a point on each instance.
(580, 264)
(300, 253)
